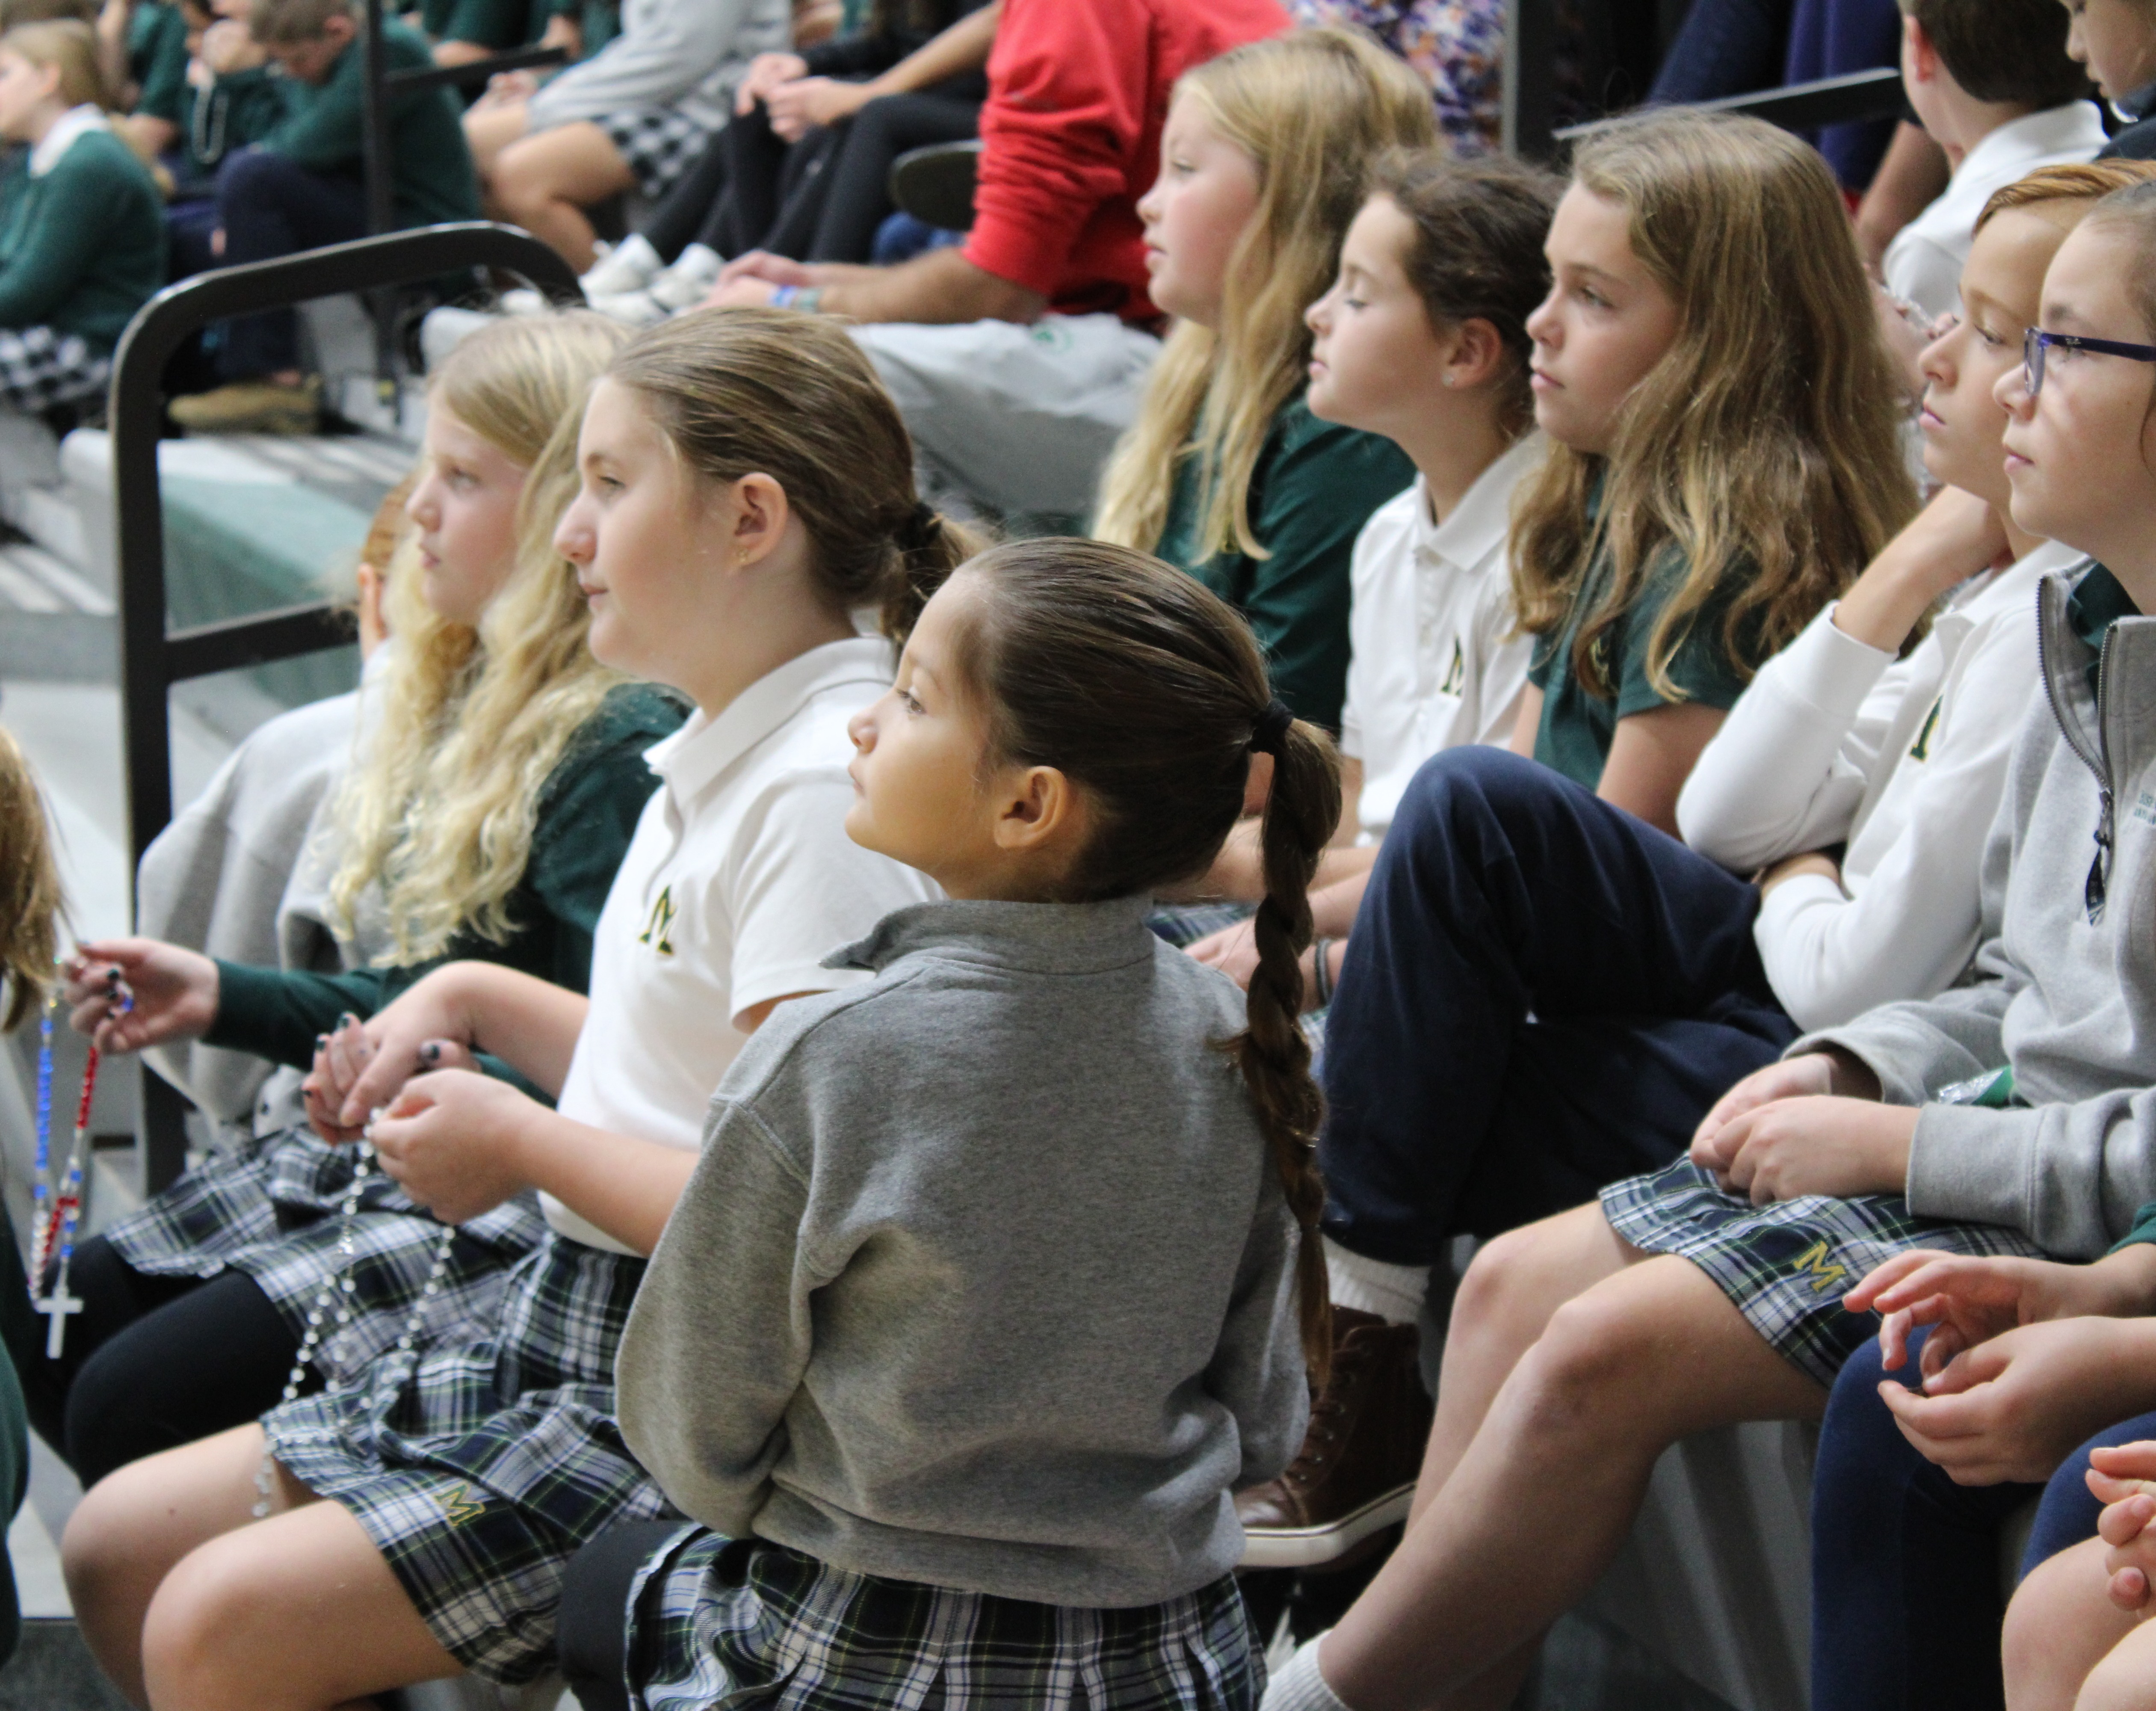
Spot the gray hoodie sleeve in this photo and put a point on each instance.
(1917, 1047)
(2070, 1176)
(719, 1338)
(1257, 1371)
(652, 64)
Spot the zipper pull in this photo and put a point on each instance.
(2099, 874)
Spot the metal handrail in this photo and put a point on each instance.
(152, 657)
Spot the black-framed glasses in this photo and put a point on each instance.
(2036, 340)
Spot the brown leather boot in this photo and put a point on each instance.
(1355, 1474)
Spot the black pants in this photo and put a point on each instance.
(591, 1627)
(820, 199)
(153, 1363)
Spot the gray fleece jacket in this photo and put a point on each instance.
(2063, 988)
(985, 1278)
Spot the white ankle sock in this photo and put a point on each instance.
(1299, 1687)
(1395, 1293)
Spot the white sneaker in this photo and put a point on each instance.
(631, 308)
(690, 280)
(629, 266)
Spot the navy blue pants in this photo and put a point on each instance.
(1906, 1595)
(269, 206)
(1543, 994)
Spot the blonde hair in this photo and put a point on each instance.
(1767, 438)
(441, 811)
(31, 901)
(1314, 110)
(61, 43)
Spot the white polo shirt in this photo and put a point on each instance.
(1924, 262)
(1434, 663)
(740, 881)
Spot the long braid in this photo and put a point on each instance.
(1273, 1052)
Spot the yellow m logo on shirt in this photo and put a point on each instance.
(657, 929)
(1813, 1260)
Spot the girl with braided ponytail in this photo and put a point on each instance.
(997, 1276)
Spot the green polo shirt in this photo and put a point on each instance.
(1578, 725)
(2097, 603)
(587, 812)
(83, 247)
(157, 59)
(432, 174)
(1315, 485)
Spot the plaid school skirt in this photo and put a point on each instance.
(479, 1469)
(717, 1621)
(1787, 1265)
(271, 1209)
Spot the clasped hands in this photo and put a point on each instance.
(1809, 1125)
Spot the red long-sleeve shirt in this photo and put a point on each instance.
(1078, 92)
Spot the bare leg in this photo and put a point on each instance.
(545, 183)
(1517, 1281)
(488, 131)
(136, 1523)
(2126, 1679)
(1541, 1498)
(2059, 1628)
(296, 1613)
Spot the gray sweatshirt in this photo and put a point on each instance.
(985, 1278)
(2068, 1001)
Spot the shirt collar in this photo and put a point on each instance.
(2072, 127)
(1045, 939)
(76, 122)
(1479, 523)
(689, 760)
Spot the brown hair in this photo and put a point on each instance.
(31, 902)
(1312, 109)
(1147, 692)
(1765, 446)
(63, 45)
(767, 390)
(2003, 50)
(1476, 254)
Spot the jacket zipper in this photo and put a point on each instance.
(2093, 889)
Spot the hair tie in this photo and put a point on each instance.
(919, 529)
(1269, 735)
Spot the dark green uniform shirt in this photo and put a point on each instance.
(157, 59)
(1577, 725)
(83, 247)
(1315, 485)
(588, 814)
(432, 170)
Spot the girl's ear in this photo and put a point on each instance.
(760, 515)
(1036, 808)
(1477, 356)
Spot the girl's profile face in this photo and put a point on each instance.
(917, 771)
(2077, 454)
(2115, 39)
(1196, 211)
(1376, 357)
(2001, 288)
(1605, 324)
(640, 533)
(24, 91)
(464, 509)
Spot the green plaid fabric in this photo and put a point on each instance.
(1786, 1265)
(480, 1470)
(271, 1211)
(718, 1621)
